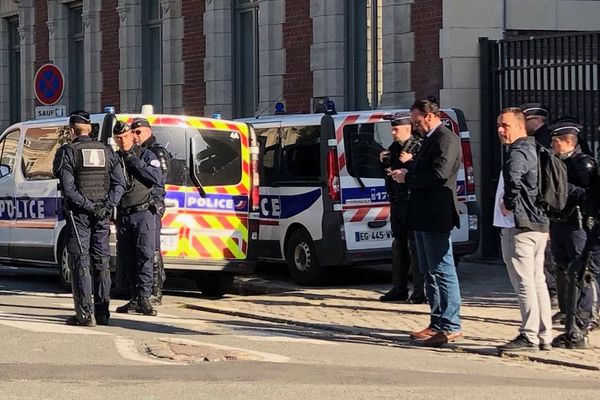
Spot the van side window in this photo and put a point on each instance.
(269, 139)
(300, 154)
(8, 150)
(39, 148)
(363, 143)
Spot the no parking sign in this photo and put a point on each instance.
(49, 84)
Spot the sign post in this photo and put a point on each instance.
(49, 84)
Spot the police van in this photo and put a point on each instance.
(211, 213)
(323, 201)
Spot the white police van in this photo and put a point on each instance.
(322, 192)
(31, 221)
(211, 217)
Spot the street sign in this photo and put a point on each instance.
(49, 84)
(43, 112)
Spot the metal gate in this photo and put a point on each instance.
(560, 71)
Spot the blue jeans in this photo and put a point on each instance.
(441, 282)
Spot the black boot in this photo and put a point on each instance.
(145, 307)
(566, 341)
(73, 320)
(394, 295)
(125, 308)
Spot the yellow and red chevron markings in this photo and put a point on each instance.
(203, 234)
(207, 234)
(243, 187)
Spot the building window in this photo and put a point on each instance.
(14, 71)
(364, 39)
(152, 54)
(246, 78)
(76, 60)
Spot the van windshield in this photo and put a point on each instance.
(217, 159)
(362, 144)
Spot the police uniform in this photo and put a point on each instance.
(576, 251)
(157, 205)
(542, 134)
(566, 228)
(136, 224)
(404, 258)
(92, 183)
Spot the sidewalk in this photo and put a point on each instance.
(490, 314)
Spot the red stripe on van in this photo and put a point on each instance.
(340, 130)
(383, 214)
(360, 215)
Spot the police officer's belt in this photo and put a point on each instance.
(131, 210)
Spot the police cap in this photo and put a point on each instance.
(401, 119)
(534, 110)
(140, 122)
(79, 117)
(565, 128)
(120, 128)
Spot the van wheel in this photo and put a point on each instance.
(302, 260)
(214, 284)
(64, 272)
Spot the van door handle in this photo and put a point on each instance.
(376, 224)
(169, 203)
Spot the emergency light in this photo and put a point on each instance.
(279, 108)
(109, 109)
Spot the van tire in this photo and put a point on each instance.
(302, 260)
(64, 272)
(214, 284)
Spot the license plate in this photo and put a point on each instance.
(169, 242)
(372, 235)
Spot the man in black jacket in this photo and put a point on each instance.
(399, 155)
(433, 213)
(524, 242)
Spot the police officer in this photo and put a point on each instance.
(143, 137)
(92, 183)
(582, 246)
(535, 123)
(136, 225)
(400, 155)
(566, 227)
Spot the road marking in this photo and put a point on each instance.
(160, 318)
(268, 357)
(41, 325)
(127, 349)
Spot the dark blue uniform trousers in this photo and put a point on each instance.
(136, 243)
(567, 242)
(90, 269)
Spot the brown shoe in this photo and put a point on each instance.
(442, 338)
(424, 334)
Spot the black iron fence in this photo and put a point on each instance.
(559, 71)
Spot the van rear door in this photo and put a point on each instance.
(208, 190)
(364, 199)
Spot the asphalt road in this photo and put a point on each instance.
(186, 354)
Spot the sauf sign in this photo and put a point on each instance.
(57, 111)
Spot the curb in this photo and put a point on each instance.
(406, 343)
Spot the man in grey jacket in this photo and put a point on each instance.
(524, 243)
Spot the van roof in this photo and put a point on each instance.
(315, 119)
(157, 119)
